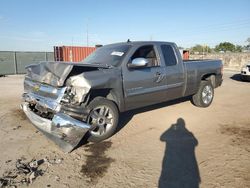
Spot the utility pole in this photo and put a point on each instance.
(203, 51)
(87, 32)
(71, 51)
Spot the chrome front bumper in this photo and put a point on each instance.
(64, 130)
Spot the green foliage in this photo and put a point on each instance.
(248, 45)
(197, 48)
(201, 49)
(225, 46)
(248, 40)
(238, 48)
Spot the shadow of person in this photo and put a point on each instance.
(179, 165)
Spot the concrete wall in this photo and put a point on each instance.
(232, 61)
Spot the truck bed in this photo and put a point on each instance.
(197, 69)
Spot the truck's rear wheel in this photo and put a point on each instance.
(204, 96)
(104, 118)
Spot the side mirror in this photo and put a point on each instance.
(138, 63)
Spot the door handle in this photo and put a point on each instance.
(158, 74)
(159, 77)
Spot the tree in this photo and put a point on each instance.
(248, 41)
(201, 48)
(225, 46)
(238, 48)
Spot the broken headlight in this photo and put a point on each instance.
(78, 88)
(68, 96)
(75, 95)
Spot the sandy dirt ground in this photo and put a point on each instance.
(174, 144)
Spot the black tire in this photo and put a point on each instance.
(103, 126)
(199, 99)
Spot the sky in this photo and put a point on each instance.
(38, 25)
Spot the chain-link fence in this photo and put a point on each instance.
(12, 62)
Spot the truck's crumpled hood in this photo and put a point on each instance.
(63, 129)
(81, 81)
(55, 73)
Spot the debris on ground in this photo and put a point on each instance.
(26, 172)
(17, 127)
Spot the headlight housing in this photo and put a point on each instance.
(77, 89)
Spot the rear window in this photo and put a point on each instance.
(169, 55)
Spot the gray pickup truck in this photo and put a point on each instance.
(68, 100)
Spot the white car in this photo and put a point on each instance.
(245, 72)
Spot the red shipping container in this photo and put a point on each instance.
(185, 55)
(72, 53)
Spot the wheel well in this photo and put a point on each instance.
(210, 77)
(106, 93)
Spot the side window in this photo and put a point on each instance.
(148, 53)
(169, 55)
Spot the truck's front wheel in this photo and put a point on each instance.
(204, 96)
(104, 117)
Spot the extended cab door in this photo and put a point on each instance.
(145, 85)
(174, 69)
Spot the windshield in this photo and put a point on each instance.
(108, 55)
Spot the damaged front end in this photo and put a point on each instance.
(56, 97)
(65, 131)
(48, 103)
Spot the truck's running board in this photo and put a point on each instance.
(65, 131)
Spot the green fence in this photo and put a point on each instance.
(15, 62)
